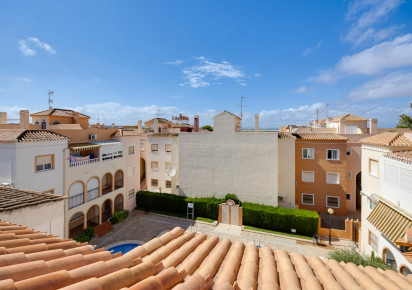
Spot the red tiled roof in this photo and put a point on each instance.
(320, 136)
(179, 260)
(405, 156)
(388, 139)
(20, 135)
(59, 113)
(349, 117)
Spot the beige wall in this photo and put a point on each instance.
(161, 157)
(225, 161)
(286, 172)
(83, 135)
(47, 217)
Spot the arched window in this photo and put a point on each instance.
(93, 188)
(107, 183)
(118, 177)
(76, 225)
(93, 216)
(76, 194)
(405, 271)
(118, 202)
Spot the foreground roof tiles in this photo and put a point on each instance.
(20, 135)
(59, 113)
(12, 198)
(405, 156)
(388, 139)
(180, 260)
(320, 136)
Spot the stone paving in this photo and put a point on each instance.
(141, 227)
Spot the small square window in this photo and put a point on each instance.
(44, 162)
(168, 184)
(332, 178)
(168, 148)
(168, 165)
(154, 147)
(307, 199)
(348, 196)
(141, 146)
(308, 153)
(332, 154)
(308, 176)
(332, 201)
(374, 167)
(131, 150)
(155, 182)
(131, 193)
(349, 151)
(154, 165)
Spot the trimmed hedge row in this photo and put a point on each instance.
(256, 215)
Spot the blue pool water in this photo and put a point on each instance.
(124, 248)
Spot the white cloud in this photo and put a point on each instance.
(25, 50)
(325, 77)
(367, 13)
(97, 80)
(176, 97)
(13, 112)
(386, 55)
(175, 62)
(307, 51)
(393, 85)
(311, 48)
(42, 45)
(301, 90)
(25, 80)
(196, 75)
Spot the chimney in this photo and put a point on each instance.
(140, 127)
(373, 126)
(196, 123)
(156, 126)
(76, 118)
(256, 122)
(342, 126)
(3, 118)
(24, 119)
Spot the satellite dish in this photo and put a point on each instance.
(172, 171)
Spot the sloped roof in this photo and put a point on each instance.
(405, 156)
(12, 198)
(285, 135)
(320, 136)
(21, 135)
(388, 139)
(178, 260)
(226, 112)
(349, 117)
(59, 113)
(159, 120)
(399, 130)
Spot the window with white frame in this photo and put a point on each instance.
(308, 153)
(141, 146)
(332, 201)
(374, 167)
(131, 150)
(307, 198)
(349, 151)
(332, 178)
(154, 165)
(154, 147)
(373, 241)
(130, 171)
(168, 148)
(332, 154)
(44, 163)
(308, 176)
(131, 193)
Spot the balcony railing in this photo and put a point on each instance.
(106, 188)
(84, 162)
(76, 200)
(92, 194)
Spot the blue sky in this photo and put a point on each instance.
(127, 60)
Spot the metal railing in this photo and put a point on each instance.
(76, 200)
(93, 221)
(84, 162)
(118, 183)
(335, 222)
(92, 194)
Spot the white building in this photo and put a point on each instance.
(386, 197)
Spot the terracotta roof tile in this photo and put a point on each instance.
(59, 113)
(405, 156)
(183, 261)
(285, 135)
(20, 135)
(12, 198)
(388, 139)
(349, 117)
(320, 136)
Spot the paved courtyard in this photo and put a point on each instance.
(141, 227)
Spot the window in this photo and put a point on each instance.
(332, 178)
(44, 163)
(307, 198)
(308, 176)
(332, 201)
(131, 150)
(348, 174)
(141, 146)
(332, 154)
(168, 148)
(373, 241)
(308, 153)
(168, 184)
(348, 196)
(155, 182)
(154, 147)
(374, 167)
(131, 193)
(130, 171)
(154, 165)
(349, 151)
(168, 165)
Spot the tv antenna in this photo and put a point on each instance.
(241, 110)
(50, 99)
(158, 113)
(327, 115)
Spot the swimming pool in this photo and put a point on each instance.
(124, 248)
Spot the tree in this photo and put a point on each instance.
(207, 127)
(405, 121)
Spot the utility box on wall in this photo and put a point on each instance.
(230, 213)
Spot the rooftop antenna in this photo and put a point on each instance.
(98, 117)
(158, 113)
(50, 99)
(317, 115)
(241, 110)
(327, 115)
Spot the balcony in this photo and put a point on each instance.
(83, 154)
(76, 200)
(83, 162)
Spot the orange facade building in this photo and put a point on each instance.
(321, 172)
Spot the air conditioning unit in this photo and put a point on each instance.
(93, 137)
(281, 197)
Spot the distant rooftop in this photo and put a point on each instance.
(21, 135)
(12, 198)
(349, 117)
(59, 113)
(320, 136)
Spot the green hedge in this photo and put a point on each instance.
(260, 216)
(118, 216)
(85, 236)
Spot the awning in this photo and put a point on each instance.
(83, 146)
(389, 222)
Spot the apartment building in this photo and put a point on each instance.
(321, 172)
(386, 206)
(60, 119)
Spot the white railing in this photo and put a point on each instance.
(84, 162)
(92, 194)
(76, 200)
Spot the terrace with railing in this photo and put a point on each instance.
(92, 152)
